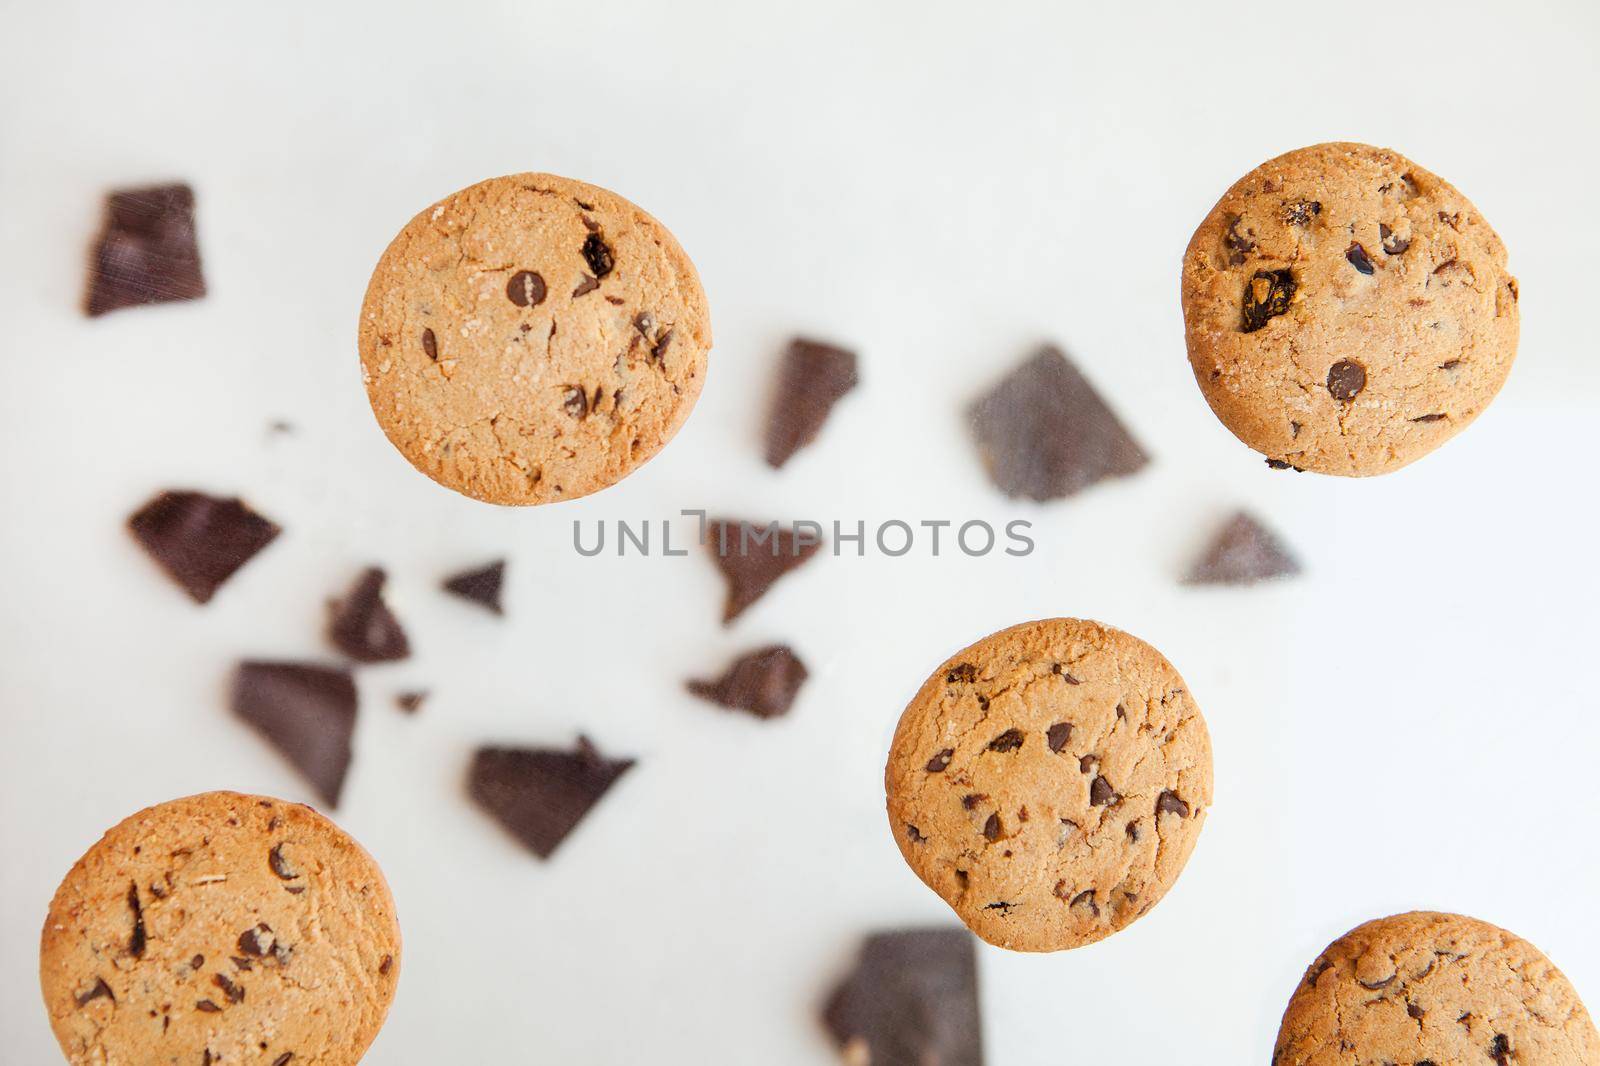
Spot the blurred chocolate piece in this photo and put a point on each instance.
(752, 557)
(541, 794)
(200, 540)
(411, 702)
(912, 1000)
(147, 251)
(361, 624)
(1044, 433)
(764, 682)
(1243, 552)
(814, 377)
(481, 586)
(307, 712)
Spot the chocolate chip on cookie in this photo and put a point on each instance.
(199, 540)
(147, 253)
(1347, 311)
(1434, 988)
(532, 339)
(763, 682)
(541, 794)
(221, 928)
(1044, 433)
(307, 712)
(1243, 552)
(911, 1000)
(1049, 782)
(361, 624)
(815, 376)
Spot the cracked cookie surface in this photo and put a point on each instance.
(531, 339)
(1049, 782)
(1347, 311)
(221, 928)
(1422, 988)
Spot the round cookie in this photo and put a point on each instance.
(1049, 782)
(221, 928)
(533, 339)
(1346, 311)
(1425, 988)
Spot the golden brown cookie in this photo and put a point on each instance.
(1346, 310)
(1049, 782)
(1426, 988)
(532, 339)
(220, 928)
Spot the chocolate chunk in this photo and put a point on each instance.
(914, 835)
(1101, 794)
(1266, 296)
(207, 1007)
(147, 251)
(1392, 245)
(1243, 552)
(1170, 803)
(361, 624)
(752, 557)
(1434, 417)
(1358, 258)
(1010, 740)
(200, 540)
(284, 1059)
(1283, 464)
(540, 794)
(1061, 672)
(911, 1000)
(481, 585)
(585, 287)
(764, 682)
(991, 827)
(961, 674)
(1500, 1049)
(430, 345)
(1346, 379)
(1239, 244)
(814, 377)
(1086, 897)
(137, 938)
(597, 253)
(258, 941)
(307, 712)
(526, 289)
(1301, 212)
(937, 764)
(280, 865)
(1044, 433)
(411, 702)
(1058, 735)
(234, 993)
(98, 990)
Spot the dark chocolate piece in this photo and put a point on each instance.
(752, 557)
(1242, 553)
(1044, 433)
(200, 540)
(361, 624)
(813, 378)
(307, 712)
(411, 702)
(912, 1000)
(541, 794)
(147, 252)
(1346, 379)
(764, 682)
(481, 586)
(1267, 295)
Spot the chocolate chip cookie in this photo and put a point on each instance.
(533, 339)
(1347, 311)
(221, 928)
(1428, 989)
(1050, 782)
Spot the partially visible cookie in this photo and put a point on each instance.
(1347, 311)
(1049, 782)
(1428, 988)
(221, 928)
(532, 339)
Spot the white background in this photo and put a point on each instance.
(1412, 724)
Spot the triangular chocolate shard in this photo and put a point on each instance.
(200, 540)
(763, 682)
(1242, 553)
(752, 557)
(361, 624)
(147, 251)
(1044, 433)
(912, 999)
(541, 794)
(814, 377)
(481, 586)
(307, 712)
(411, 701)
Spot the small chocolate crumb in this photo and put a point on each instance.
(208, 1007)
(1010, 740)
(1429, 418)
(136, 939)
(411, 702)
(430, 345)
